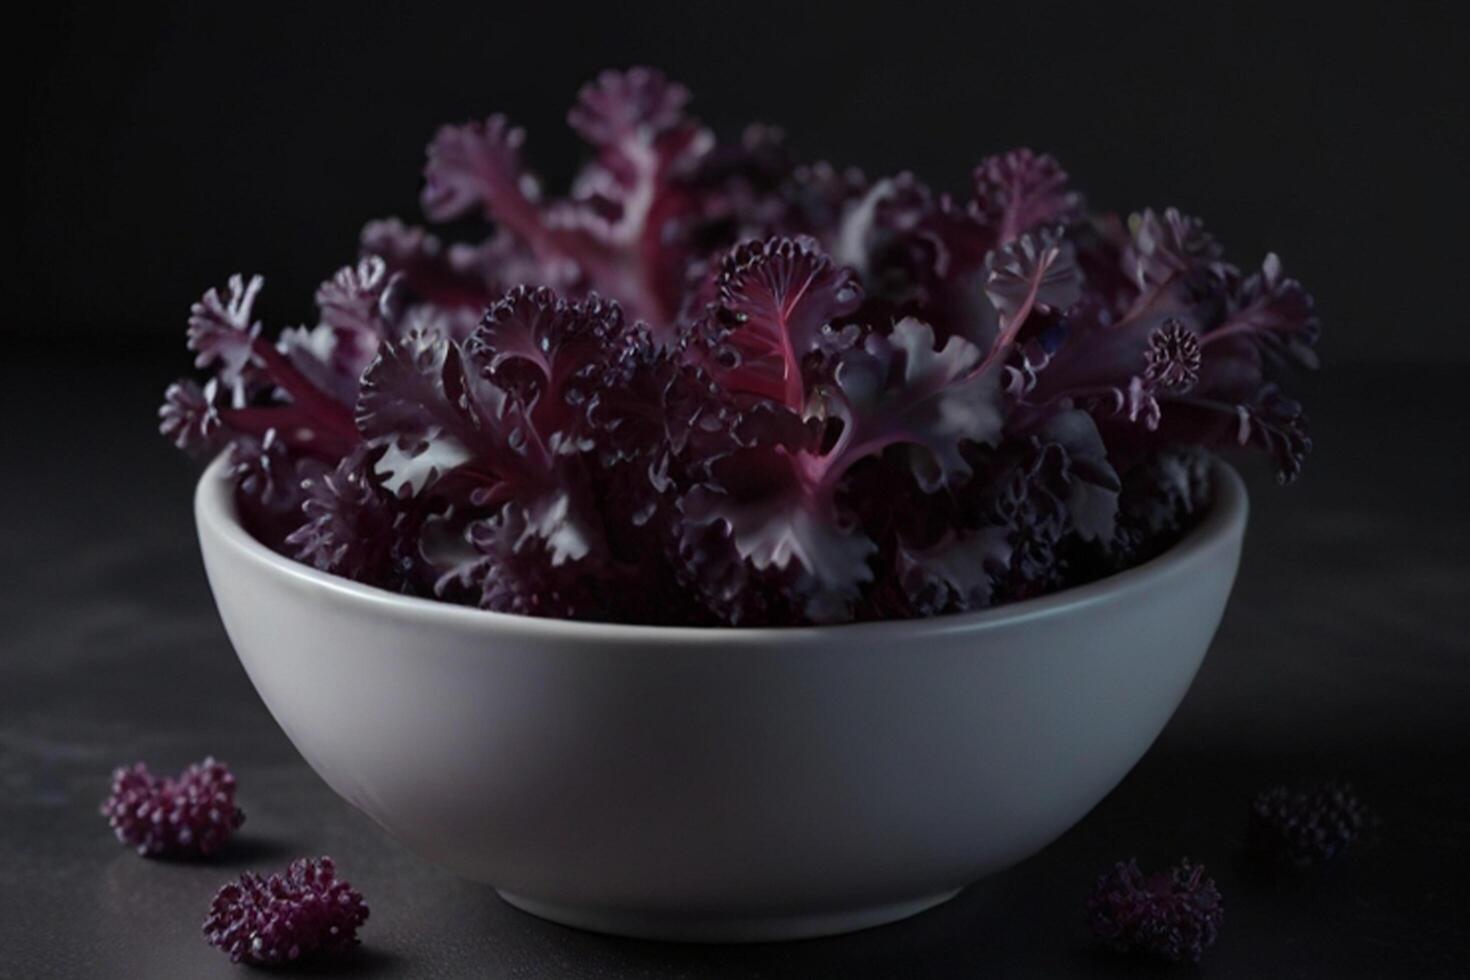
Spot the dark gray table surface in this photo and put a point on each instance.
(1344, 653)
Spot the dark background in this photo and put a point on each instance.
(165, 146)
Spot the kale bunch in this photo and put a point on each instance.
(712, 386)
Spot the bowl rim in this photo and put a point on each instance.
(216, 515)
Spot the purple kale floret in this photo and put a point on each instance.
(1174, 914)
(709, 384)
(281, 918)
(193, 814)
(1302, 827)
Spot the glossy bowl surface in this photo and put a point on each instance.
(721, 784)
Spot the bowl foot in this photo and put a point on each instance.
(715, 929)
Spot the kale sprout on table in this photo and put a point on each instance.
(711, 386)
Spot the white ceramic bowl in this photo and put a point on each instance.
(722, 784)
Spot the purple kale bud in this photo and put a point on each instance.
(1173, 356)
(194, 814)
(1175, 914)
(281, 918)
(1304, 827)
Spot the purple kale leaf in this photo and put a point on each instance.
(956, 573)
(189, 417)
(416, 401)
(777, 506)
(523, 561)
(1158, 501)
(1034, 272)
(478, 165)
(549, 356)
(222, 331)
(300, 413)
(898, 390)
(1169, 248)
(779, 493)
(1021, 191)
(621, 232)
(449, 279)
(776, 299)
(354, 526)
